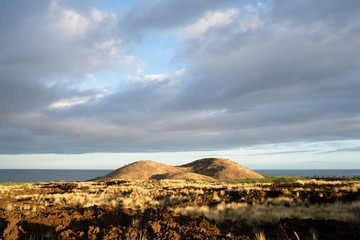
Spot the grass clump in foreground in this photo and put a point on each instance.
(287, 179)
(275, 210)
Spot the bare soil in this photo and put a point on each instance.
(33, 214)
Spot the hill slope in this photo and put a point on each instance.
(220, 169)
(202, 169)
(141, 170)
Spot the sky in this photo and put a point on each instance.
(98, 84)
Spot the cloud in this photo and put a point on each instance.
(352, 149)
(150, 78)
(275, 72)
(70, 102)
(287, 76)
(280, 153)
(211, 19)
(163, 15)
(74, 24)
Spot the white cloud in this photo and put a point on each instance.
(110, 47)
(74, 24)
(155, 77)
(106, 53)
(149, 78)
(70, 102)
(66, 103)
(99, 16)
(209, 20)
(171, 78)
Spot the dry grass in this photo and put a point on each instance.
(259, 235)
(153, 193)
(134, 194)
(273, 211)
(228, 201)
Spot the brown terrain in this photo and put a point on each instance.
(181, 209)
(209, 169)
(220, 169)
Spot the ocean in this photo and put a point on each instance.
(311, 172)
(47, 175)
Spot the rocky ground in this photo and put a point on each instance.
(160, 210)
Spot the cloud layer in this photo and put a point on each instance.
(273, 72)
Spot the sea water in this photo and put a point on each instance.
(47, 175)
(311, 172)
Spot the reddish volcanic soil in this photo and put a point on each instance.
(39, 211)
(121, 223)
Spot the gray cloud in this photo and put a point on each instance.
(281, 153)
(165, 15)
(352, 149)
(285, 71)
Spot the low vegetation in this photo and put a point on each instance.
(267, 208)
(268, 179)
(287, 179)
(272, 211)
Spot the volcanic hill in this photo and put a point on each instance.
(220, 169)
(202, 169)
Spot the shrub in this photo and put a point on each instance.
(8, 184)
(272, 179)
